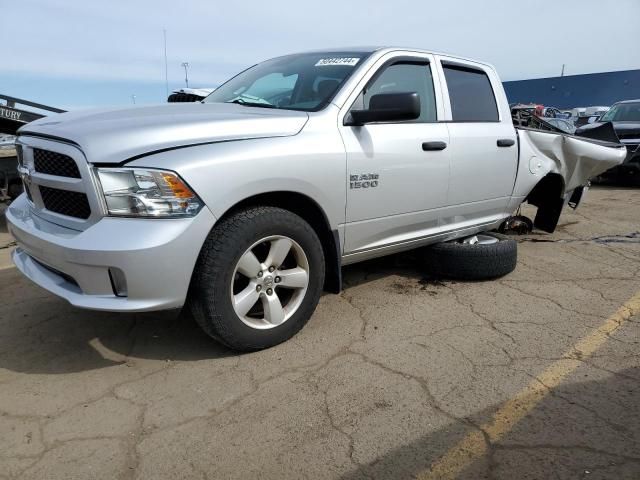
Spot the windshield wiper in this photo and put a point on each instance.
(239, 101)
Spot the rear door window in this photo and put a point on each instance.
(471, 95)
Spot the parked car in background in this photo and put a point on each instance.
(189, 95)
(596, 111)
(585, 115)
(625, 118)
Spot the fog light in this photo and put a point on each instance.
(118, 282)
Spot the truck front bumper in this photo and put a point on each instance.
(117, 264)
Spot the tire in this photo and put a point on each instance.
(478, 261)
(221, 276)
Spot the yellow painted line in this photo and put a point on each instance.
(474, 446)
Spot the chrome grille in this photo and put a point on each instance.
(59, 182)
(628, 136)
(19, 154)
(54, 163)
(72, 204)
(25, 187)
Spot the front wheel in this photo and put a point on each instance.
(258, 279)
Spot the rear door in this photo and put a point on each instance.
(482, 147)
(395, 186)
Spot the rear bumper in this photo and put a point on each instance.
(156, 257)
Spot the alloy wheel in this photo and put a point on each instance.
(269, 282)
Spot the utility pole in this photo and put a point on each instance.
(186, 72)
(562, 73)
(166, 69)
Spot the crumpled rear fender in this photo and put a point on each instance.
(553, 165)
(575, 159)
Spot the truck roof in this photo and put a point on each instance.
(388, 48)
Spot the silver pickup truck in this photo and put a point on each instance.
(245, 206)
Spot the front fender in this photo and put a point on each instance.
(226, 173)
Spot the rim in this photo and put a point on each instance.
(269, 282)
(480, 240)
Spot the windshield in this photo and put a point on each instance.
(296, 82)
(623, 112)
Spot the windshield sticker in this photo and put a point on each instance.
(349, 61)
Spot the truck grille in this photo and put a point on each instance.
(628, 135)
(633, 154)
(53, 163)
(59, 182)
(19, 154)
(64, 202)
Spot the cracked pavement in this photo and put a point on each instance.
(384, 380)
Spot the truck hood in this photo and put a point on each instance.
(116, 135)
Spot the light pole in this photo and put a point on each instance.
(166, 68)
(185, 65)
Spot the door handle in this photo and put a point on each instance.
(506, 142)
(427, 146)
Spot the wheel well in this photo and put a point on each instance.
(312, 213)
(547, 196)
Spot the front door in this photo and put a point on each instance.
(398, 172)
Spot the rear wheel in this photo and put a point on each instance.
(258, 278)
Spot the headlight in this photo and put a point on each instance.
(147, 193)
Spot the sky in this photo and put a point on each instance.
(81, 53)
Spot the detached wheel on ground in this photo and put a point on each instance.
(480, 257)
(258, 278)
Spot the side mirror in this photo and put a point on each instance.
(388, 107)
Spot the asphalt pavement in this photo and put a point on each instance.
(532, 376)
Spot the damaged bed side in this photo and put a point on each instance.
(554, 169)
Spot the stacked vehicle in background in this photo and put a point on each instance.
(585, 115)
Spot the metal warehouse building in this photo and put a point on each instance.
(573, 91)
